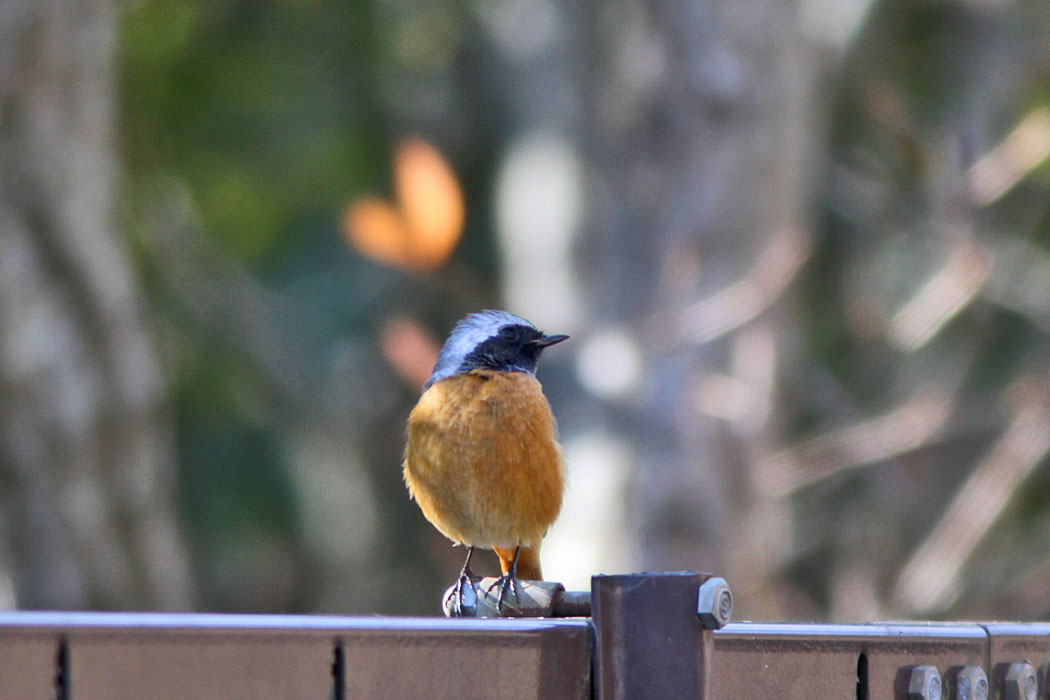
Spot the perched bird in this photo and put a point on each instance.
(482, 458)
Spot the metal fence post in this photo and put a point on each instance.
(650, 643)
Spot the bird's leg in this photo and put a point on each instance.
(508, 581)
(466, 578)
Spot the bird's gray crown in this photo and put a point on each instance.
(476, 343)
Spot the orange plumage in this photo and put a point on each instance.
(484, 464)
(482, 458)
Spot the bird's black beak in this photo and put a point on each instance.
(548, 340)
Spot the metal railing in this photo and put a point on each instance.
(649, 636)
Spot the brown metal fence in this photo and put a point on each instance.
(644, 640)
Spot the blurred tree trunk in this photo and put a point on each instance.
(697, 146)
(86, 504)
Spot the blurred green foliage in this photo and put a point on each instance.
(265, 110)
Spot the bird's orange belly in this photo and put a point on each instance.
(483, 460)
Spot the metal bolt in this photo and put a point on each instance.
(714, 605)
(532, 599)
(971, 683)
(1020, 682)
(924, 683)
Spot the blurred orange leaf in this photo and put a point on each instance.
(377, 230)
(423, 230)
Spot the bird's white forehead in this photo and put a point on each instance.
(467, 335)
(477, 328)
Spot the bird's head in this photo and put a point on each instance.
(493, 340)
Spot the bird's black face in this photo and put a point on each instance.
(515, 348)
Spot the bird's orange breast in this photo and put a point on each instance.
(483, 460)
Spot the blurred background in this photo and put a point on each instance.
(802, 248)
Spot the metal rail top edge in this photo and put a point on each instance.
(902, 629)
(46, 620)
(269, 622)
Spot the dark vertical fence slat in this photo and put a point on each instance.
(649, 640)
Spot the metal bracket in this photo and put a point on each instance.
(533, 599)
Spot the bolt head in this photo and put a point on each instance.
(1020, 682)
(924, 683)
(714, 605)
(971, 684)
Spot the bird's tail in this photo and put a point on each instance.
(528, 562)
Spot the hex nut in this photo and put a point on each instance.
(1020, 682)
(924, 683)
(714, 605)
(971, 683)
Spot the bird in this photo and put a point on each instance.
(482, 458)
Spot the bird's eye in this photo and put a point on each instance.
(508, 333)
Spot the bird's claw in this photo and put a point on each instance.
(506, 582)
(462, 597)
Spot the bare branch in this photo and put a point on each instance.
(911, 426)
(774, 269)
(930, 579)
(945, 294)
(1019, 153)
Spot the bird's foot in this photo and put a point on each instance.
(507, 583)
(465, 582)
(461, 598)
